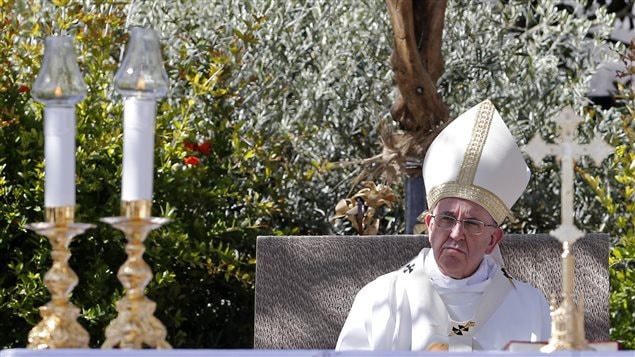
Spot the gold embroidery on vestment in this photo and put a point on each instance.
(472, 155)
(462, 327)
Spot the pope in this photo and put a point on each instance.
(457, 295)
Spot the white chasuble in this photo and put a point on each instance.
(403, 310)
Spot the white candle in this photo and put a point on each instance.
(138, 149)
(59, 154)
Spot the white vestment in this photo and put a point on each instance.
(403, 310)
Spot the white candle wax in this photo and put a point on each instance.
(59, 154)
(138, 149)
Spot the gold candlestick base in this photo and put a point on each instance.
(567, 328)
(567, 321)
(59, 327)
(135, 326)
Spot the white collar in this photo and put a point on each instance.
(473, 283)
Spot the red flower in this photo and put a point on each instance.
(189, 146)
(204, 147)
(24, 89)
(191, 160)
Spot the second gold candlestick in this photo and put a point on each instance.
(135, 326)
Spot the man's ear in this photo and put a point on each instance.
(495, 238)
(428, 218)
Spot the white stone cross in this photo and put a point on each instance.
(567, 150)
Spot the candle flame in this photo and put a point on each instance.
(58, 91)
(141, 84)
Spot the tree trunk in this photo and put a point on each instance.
(418, 109)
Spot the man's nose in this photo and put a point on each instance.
(457, 232)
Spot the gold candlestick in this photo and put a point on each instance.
(59, 327)
(135, 326)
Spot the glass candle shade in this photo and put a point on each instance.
(59, 82)
(141, 73)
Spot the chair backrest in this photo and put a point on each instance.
(305, 285)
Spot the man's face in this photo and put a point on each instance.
(457, 252)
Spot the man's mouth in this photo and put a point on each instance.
(454, 249)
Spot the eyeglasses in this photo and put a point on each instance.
(471, 226)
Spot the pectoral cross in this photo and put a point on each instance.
(567, 150)
(567, 325)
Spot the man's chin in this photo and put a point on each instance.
(451, 261)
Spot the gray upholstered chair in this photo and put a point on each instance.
(305, 286)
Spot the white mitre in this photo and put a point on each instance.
(476, 158)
